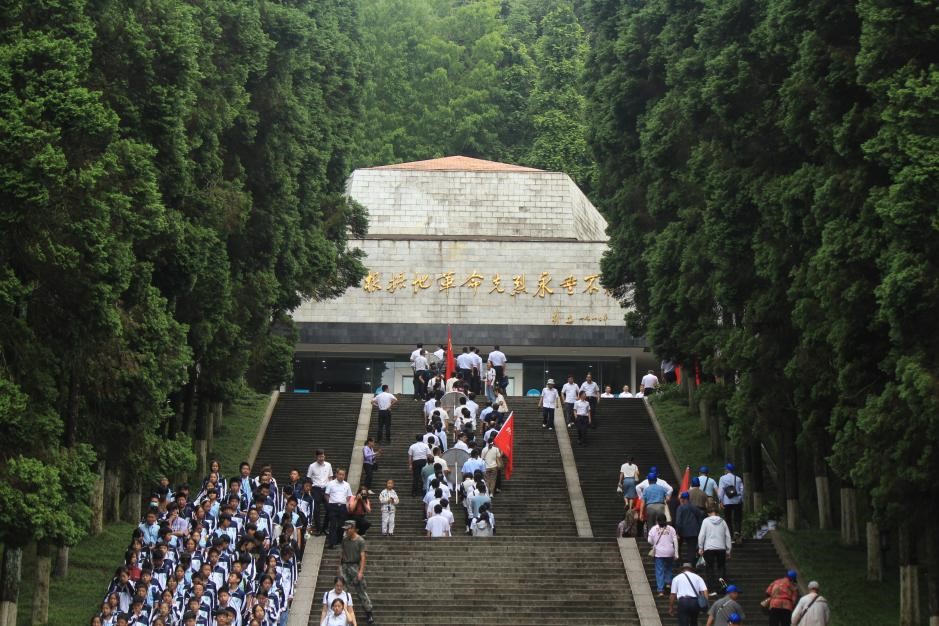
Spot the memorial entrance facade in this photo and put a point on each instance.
(501, 254)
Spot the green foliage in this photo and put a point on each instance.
(768, 172)
(173, 456)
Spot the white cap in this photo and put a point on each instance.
(550, 381)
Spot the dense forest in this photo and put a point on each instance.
(172, 178)
(769, 172)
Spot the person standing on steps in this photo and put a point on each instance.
(338, 591)
(352, 568)
(664, 542)
(320, 473)
(416, 353)
(417, 459)
(388, 499)
(592, 389)
(570, 391)
(782, 596)
(383, 402)
(721, 611)
(708, 485)
(649, 383)
(338, 493)
(628, 477)
(369, 463)
(547, 403)
(688, 520)
(422, 371)
(697, 497)
(497, 361)
(655, 497)
(625, 392)
(714, 544)
(582, 417)
(812, 609)
(687, 588)
(730, 495)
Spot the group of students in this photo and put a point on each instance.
(481, 472)
(699, 535)
(229, 555)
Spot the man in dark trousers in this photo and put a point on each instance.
(688, 520)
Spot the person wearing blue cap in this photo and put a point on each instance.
(722, 610)
(654, 497)
(708, 485)
(696, 496)
(730, 495)
(782, 596)
(688, 520)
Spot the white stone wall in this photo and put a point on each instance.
(460, 304)
(483, 204)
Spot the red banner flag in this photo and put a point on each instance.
(451, 360)
(504, 440)
(685, 481)
(678, 374)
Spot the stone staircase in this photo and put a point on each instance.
(625, 428)
(301, 423)
(535, 571)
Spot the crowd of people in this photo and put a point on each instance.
(228, 554)
(701, 535)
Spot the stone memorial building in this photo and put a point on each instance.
(503, 254)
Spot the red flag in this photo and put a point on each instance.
(678, 374)
(504, 440)
(697, 373)
(685, 481)
(451, 360)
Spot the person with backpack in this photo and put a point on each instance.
(730, 496)
(724, 610)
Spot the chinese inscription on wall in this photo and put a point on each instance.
(543, 286)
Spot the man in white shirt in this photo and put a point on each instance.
(416, 353)
(497, 361)
(429, 408)
(338, 493)
(421, 375)
(625, 392)
(472, 405)
(319, 472)
(437, 525)
(569, 392)
(476, 381)
(461, 443)
(812, 609)
(592, 389)
(548, 402)
(417, 459)
(686, 587)
(464, 363)
(650, 381)
(383, 402)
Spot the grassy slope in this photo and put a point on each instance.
(73, 600)
(841, 571)
(685, 434)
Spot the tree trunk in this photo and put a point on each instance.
(10, 571)
(823, 494)
(717, 440)
(850, 533)
(791, 472)
(44, 551)
(71, 413)
(209, 432)
(757, 487)
(932, 568)
(61, 562)
(909, 576)
(875, 556)
(189, 401)
(704, 412)
(132, 502)
(690, 378)
(112, 495)
(97, 502)
(219, 414)
(200, 442)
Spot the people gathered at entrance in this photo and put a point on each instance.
(231, 550)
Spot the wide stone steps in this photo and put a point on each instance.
(301, 423)
(625, 428)
(515, 580)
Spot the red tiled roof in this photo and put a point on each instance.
(458, 164)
